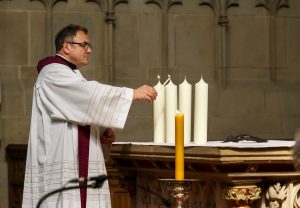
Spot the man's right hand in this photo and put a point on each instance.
(145, 92)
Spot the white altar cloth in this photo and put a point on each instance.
(242, 144)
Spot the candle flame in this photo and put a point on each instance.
(158, 77)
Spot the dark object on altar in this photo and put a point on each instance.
(240, 138)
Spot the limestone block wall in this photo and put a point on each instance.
(249, 54)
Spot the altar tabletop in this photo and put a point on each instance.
(227, 160)
(242, 144)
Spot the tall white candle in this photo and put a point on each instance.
(171, 107)
(185, 106)
(200, 116)
(159, 114)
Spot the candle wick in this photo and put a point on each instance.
(167, 81)
(164, 84)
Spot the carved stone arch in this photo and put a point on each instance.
(49, 4)
(220, 10)
(108, 7)
(100, 3)
(165, 6)
(273, 7)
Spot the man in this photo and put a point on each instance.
(68, 117)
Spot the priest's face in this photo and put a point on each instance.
(79, 49)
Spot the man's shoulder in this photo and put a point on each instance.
(49, 61)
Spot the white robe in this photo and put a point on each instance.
(62, 98)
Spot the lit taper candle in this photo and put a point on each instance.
(179, 146)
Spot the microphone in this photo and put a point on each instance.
(97, 179)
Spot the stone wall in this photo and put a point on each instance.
(248, 53)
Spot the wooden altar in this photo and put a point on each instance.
(230, 174)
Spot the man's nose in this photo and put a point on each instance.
(88, 50)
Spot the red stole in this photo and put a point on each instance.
(83, 159)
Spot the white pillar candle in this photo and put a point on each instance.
(171, 107)
(159, 114)
(185, 106)
(200, 116)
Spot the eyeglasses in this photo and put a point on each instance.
(84, 45)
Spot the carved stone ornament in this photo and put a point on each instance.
(273, 6)
(242, 197)
(276, 195)
(164, 5)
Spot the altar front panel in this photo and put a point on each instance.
(224, 170)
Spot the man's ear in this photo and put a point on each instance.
(66, 48)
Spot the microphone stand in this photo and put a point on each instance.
(96, 184)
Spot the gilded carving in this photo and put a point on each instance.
(243, 196)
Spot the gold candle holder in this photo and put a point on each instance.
(179, 189)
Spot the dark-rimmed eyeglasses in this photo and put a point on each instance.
(84, 45)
